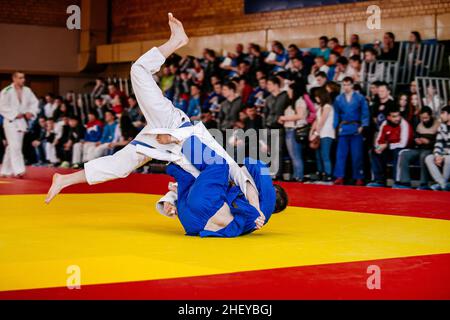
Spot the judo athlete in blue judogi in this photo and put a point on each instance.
(200, 199)
(351, 115)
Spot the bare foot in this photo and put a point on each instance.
(55, 189)
(178, 35)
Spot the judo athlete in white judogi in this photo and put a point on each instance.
(18, 104)
(167, 128)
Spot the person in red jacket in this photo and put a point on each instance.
(395, 134)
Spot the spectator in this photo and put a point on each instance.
(433, 100)
(125, 133)
(244, 90)
(167, 82)
(84, 150)
(334, 45)
(390, 48)
(293, 53)
(323, 50)
(101, 107)
(50, 105)
(319, 66)
(49, 142)
(395, 135)
(334, 56)
(109, 135)
(75, 135)
(350, 118)
(319, 81)
(135, 113)
(194, 110)
(342, 70)
(214, 99)
(294, 119)
(278, 58)
(38, 140)
(405, 109)
(438, 163)
(276, 104)
(256, 60)
(425, 138)
(259, 94)
(99, 88)
(354, 43)
(323, 129)
(381, 105)
(230, 108)
(208, 120)
(355, 68)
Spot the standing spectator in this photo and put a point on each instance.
(18, 104)
(395, 135)
(425, 138)
(99, 88)
(276, 104)
(350, 118)
(323, 128)
(438, 163)
(294, 118)
(230, 108)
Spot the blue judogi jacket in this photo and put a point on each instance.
(354, 114)
(199, 199)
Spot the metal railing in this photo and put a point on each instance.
(433, 92)
(419, 60)
(124, 84)
(386, 71)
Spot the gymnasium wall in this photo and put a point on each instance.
(137, 25)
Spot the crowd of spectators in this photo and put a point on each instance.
(331, 130)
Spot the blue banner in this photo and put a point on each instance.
(254, 6)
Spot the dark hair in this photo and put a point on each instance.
(390, 35)
(93, 112)
(356, 45)
(356, 58)
(393, 109)
(275, 80)
(335, 53)
(342, 60)
(371, 50)
(418, 36)
(349, 79)
(445, 109)
(383, 84)
(278, 44)
(133, 96)
(334, 39)
(281, 197)
(255, 47)
(321, 74)
(323, 95)
(324, 38)
(230, 85)
(427, 110)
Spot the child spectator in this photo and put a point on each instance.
(94, 131)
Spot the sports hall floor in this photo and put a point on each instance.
(319, 248)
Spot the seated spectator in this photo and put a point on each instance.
(278, 58)
(214, 99)
(342, 70)
(390, 48)
(297, 71)
(125, 133)
(438, 163)
(240, 56)
(354, 50)
(323, 50)
(433, 100)
(354, 42)
(209, 121)
(167, 82)
(117, 106)
(113, 92)
(101, 107)
(355, 68)
(38, 140)
(319, 66)
(414, 106)
(256, 60)
(404, 106)
(135, 113)
(334, 45)
(395, 135)
(294, 118)
(323, 129)
(102, 147)
(334, 56)
(371, 70)
(319, 81)
(229, 66)
(194, 110)
(61, 111)
(197, 74)
(382, 104)
(244, 89)
(230, 107)
(425, 138)
(252, 120)
(84, 150)
(49, 142)
(75, 135)
(293, 52)
(50, 105)
(259, 94)
(350, 118)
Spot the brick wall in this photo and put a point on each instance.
(135, 20)
(35, 12)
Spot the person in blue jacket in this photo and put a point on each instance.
(209, 206)
(351, 116)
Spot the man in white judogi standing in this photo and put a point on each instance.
(17, 105)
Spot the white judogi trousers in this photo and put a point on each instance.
(161, 117)
(158, 112)
(13, 162)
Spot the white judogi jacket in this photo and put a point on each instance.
(11, 107)
(237, 174)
